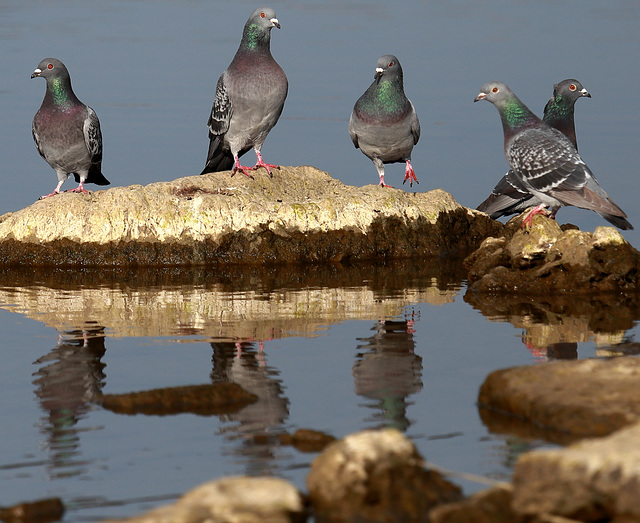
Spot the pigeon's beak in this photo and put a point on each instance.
(586, 93)
(379, 71)
(481, 96)
(35, 73)
(275, 22)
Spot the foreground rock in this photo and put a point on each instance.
(233, 500)
(299, 215)
(547, 259)
(594, 480)
(568, 400)
(375, 476)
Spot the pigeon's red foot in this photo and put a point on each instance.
(242, 168)
(79, 189)
(382, 184)
(528, 219)
(267, 166)
(409, 174)
(48, 195)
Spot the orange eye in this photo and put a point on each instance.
(50, 66)
(494, 90)
(262, 15)
(572, 87)
(390, 64)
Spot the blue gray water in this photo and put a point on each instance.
(149, 70)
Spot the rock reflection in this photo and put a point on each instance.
(388, 371)
(70, 379)
(255, 428)
(553, 326)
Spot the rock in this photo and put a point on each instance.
(204, 400)
(549, 258)
(299, 215)
(41, 511)
(573, 399)
(488, 506)
(307, 440)
(375, 476)
(233, 500)
(593, 480)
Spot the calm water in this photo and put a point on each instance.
(339, 351)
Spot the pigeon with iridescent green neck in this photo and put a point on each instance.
(66, 131)
(249, 99)
(545, 162)
(510, 196)
(383, 124)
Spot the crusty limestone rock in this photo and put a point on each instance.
(299, 215)
(546, 258)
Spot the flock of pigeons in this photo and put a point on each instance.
(546, 169)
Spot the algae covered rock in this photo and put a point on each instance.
(299, 215)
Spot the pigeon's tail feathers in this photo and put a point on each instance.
(498, 205)
(219, 157)
(618, 221)
(95, 176)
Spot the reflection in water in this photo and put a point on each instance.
(71, 378)
(388, 372)
(254, 429)
(554, 325)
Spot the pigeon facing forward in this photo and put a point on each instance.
(384, 125)
(249, 99)
(510, 196)
(546, 162)
(67, 132)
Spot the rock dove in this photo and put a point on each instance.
(384, 124)
(249, 99)
(546, 162)
(510, 196)
(67, 132)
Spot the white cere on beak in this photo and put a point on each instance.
(275, 22)
(37, 71)
(379, 70)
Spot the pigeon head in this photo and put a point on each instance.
(50, 68)
(513, 113)
(257, 30)
(388, 66)
(497, 93)
(569, 91)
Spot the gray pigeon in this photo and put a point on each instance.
(383, 124)
(249, 99)
(510, 196)
(67, 132)
(546, 162)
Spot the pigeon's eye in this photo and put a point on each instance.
(572, 87)
(390, 64)
(50, 66)
(262, 15)
(495, 90)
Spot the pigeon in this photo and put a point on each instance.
(546, 162)
(384, 124)
(249, 99)
(510, 196)
(66, 131)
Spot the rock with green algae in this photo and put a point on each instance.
(546, 257)
(299, 215)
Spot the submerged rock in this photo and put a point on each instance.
(547, 258)
(375, 476)
(570, 400)
(299, 215)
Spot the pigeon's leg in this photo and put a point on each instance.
(55, 191)
(528, 219)
(267, 166)
(380, 168)
(237, 167)
(409, 174)
(80, 187)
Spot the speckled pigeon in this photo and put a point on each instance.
(384, 124)
(249, 99)
(510, 196)
(546, 162)
(67, 132)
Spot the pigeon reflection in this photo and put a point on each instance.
(256, 427)
(388, 372)
(68, 382)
